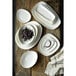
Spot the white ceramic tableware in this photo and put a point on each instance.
(45, 15)
(48, 45)
(28, 59)
(36, 27)
(23, 15)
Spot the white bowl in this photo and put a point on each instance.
(30, 27)
(23, 15)
(28, 59)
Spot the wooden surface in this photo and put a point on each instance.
(39, 68)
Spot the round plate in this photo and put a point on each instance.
(23, 15)
(35, 40)
(28, 59)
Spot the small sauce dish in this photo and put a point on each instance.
(46, 15)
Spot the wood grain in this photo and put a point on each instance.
(39, 68)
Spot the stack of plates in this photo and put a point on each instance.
(48, 45)
(37, 29)
(45, 15)
(23, 15)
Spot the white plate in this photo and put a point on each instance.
(53, 46)
(31, 27)
(23, 15)
(35, 40)
(44, 14)
(28, 59)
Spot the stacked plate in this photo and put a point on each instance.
(28, 44)
(23, 15)
(48, 45)
(45, 15)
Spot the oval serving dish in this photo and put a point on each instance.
(45, 15)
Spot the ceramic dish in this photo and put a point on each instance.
(48, 45)
(31, 27)
(31, 43)
(45, 15)
(23, 15)
(28, 59)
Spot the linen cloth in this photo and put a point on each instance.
(55, 66)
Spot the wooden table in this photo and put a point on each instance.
(39, 68)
